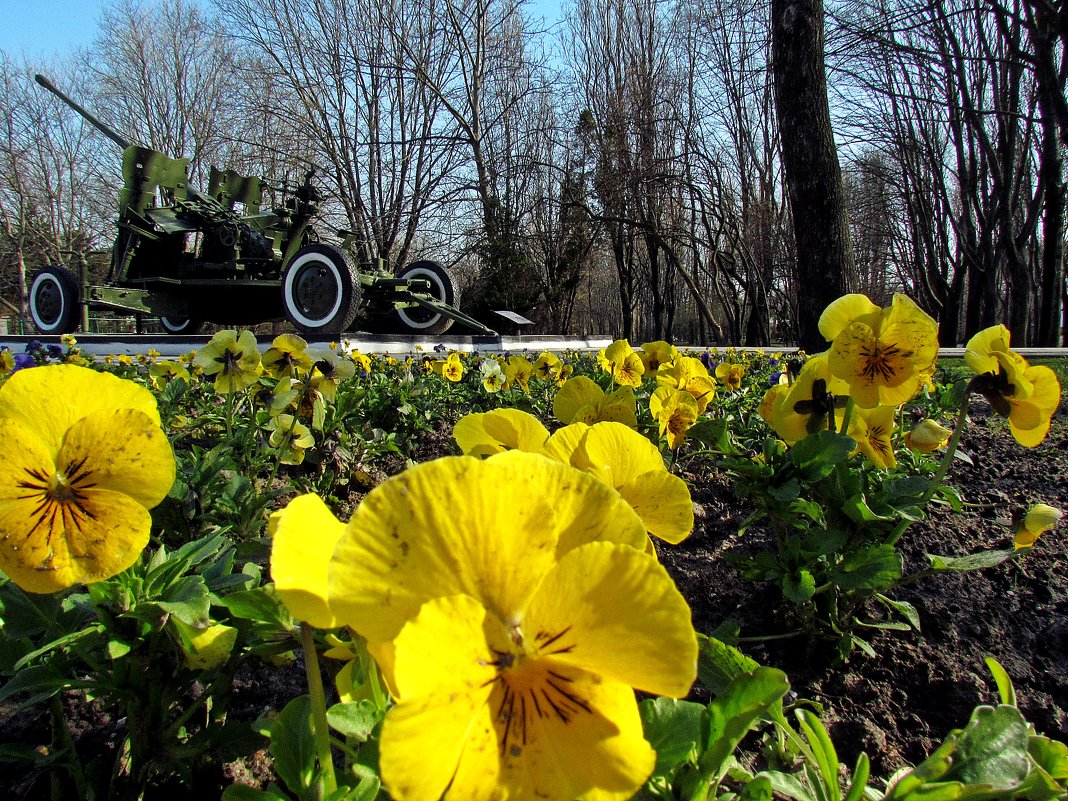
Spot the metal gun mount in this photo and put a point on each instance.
(190, 257)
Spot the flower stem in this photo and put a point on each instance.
(943, 468)
(318, 708)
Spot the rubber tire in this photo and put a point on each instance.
(55, 300)
(418, 320)
(181, 326)
(320, 290)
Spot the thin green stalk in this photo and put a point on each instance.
(318, 708)
(846, 416)
(943, 468)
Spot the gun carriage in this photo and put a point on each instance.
(188, 257)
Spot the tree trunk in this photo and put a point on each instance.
(810, 162)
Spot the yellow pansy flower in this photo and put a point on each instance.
(730, 375)
(290, 437)
(654, 354)
(493, 378)
(580, 400)
(486, 433)
(927, 435)
(885, 355)
(624, 459)
(233, 359)
(548, 366)
(1039, 519)
(514, 612)
(689, 375)
(328, 371)
(7, 360)
(517, 370)
(82, 460)
(1028, 396)
(675, 411)
(453, 368)
(872, 429)
(807, 405)
(620, 360)
(162, 373)
(287, 357)
(361, 360)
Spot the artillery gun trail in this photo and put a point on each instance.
(189, 257)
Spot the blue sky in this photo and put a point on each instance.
(47, 28)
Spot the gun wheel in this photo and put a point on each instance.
(418, 319)
(176, 325)
(55, 298)
(320, 290)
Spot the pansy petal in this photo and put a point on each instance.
(122, 450)
(22, 394)
(444, 675)
(304, 536)
(616, 454)
(460, 525)
(663, 502)
(46, 547)
(596, 752)
(563, 442)
(979, 352)
(578, 392)
(613, 610)
(844, 311)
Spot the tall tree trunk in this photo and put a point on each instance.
(810, 162)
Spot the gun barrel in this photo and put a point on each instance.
(118, 139)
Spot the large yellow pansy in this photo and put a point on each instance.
(82, 459)
(883, 354)
(538, 707)
(489, 528)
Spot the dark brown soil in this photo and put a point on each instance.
(900, 704)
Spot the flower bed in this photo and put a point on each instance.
(686, 525)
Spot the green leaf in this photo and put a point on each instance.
(856, 509)
(261, 604)
(731, 715)
(355, 719)
(992, 750)
(713, 432)
(869, 569)
(986, 759)
(673, 729)
(973, 561)
(902, 608)
(117, 649)
(789, 785)
(823, 751)
(718, 664)
(1006, 693)
(293, 746)
(798, 587)
(759, 789)
(187, 599)
(40, 682)
(817, 455)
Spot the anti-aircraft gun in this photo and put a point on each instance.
(189, 257)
